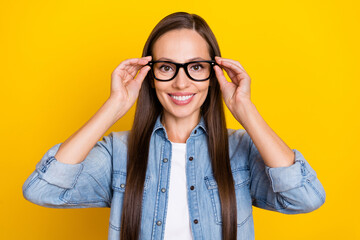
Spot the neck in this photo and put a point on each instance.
(179, 129)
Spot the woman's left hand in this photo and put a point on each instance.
(237, 92)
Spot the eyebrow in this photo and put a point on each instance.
(171, 60)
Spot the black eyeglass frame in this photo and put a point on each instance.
(182, 65)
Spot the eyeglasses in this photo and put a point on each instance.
(195, 70)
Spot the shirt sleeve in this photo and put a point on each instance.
(291, 190)
(59, 185)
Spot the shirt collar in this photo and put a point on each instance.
(199, 129)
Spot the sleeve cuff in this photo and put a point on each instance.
(286, 178)
(57, 173)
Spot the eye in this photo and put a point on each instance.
(165, 68)
(196, 67)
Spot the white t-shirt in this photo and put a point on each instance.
(177, 225)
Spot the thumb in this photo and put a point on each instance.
(142, 74)
(220, 76)
(135, 84)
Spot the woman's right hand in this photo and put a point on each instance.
(125, 86)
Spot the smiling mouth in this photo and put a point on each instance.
(181, 98)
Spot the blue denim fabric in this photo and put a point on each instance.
(100, 181)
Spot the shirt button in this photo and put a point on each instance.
(191, 158)
(122, 185)
(196, 221)
(158, 223)
(165, 160)
(192, 187)
(163, 190)
(195, 131)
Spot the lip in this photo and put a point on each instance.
(181, 93)
(178, 94)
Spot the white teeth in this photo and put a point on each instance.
(182, 98)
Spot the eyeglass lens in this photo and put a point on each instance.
(197, 70)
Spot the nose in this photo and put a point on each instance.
(181, 80)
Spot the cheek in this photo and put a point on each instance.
(204, 89)
(158, 94)
(204, 92)
(160, 91)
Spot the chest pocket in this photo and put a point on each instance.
(119, 186)
(242, 193)
(119, 182)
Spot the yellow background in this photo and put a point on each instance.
(303, 58)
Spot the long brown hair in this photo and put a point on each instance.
(148, 108)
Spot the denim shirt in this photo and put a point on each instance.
(100, 181)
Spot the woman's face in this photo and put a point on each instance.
(181, 97)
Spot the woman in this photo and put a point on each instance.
(179, 173)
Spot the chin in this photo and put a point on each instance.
(182, 113)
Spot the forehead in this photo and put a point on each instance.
(181, 45)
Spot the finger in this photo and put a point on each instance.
(230, 73)
(145, 60)
(220, 76)
(147, 57)
(134, 62)
(142, 61)
(230, 60)
(228, 69)
(236, 70)
(142, 74)
(218, 61)
(243, 78)
(132, 66)
(134, 85)
(226, 62)
(237, 77)
(235, 73)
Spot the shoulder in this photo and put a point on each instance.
(236, 135)
(239, 149)
(239, 140)
(121, 136)
(117, 139)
